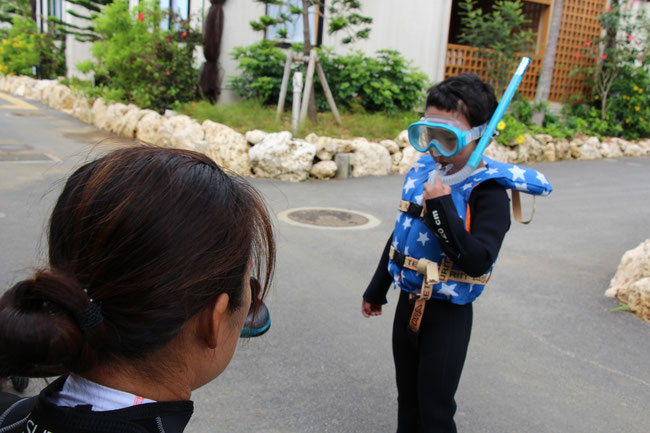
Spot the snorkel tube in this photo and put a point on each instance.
(477, 155)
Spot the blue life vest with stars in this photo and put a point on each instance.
(413, 238)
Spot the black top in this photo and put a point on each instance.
(37, 415)
(473, 251)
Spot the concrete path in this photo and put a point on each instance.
(547, 354)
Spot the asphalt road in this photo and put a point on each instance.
(547, 354)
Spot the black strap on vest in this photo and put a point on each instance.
(414, 210)
(398, 258)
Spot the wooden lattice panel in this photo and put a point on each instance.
(579, 25)
(464, 59)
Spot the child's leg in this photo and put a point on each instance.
(444, 336)
(405, 354)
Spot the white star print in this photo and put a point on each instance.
(542, 178)
(545, 193)
(492, 171)
(410, 184)
(417, 166)
(521, 186)
(407, 223)
(418, 199)
(406, 251)
(424, 238)
(517, 172)
(395, 244)
(399, 215)
(448, 290)
(477, 179)
(467, 186)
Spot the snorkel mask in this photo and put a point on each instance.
(442, 133)
(448, 139)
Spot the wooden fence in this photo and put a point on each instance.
(579, 25)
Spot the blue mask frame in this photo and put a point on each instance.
(462, 137)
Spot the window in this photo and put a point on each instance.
(54, 8)
(294, 25)
(180, 8)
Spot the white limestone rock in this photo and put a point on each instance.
(631, 283)
(255, 136)
(530, 150)
(500, 153)
(395, 159)
(127, 125)
(370, 159)
(391, 146)
(148, 127)
(279, 156)
(549, 152)
(99, 113)
(180, 132)
(590, 149)
(226, 147)
(634, 150)
(324, 170)
(403, 139)
(327, 147)
(562, 150)
(82, 109)
(409, 156)
(114, 114)
(610, 149)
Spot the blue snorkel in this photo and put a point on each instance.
(477, 155)
(475, 159)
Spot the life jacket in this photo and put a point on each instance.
(413, 239)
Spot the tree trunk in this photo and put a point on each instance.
(546, 77)
(311, 108)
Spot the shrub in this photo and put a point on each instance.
(24, 51)
(383, 83)
(136, 61)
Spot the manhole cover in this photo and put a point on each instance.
(28, 114)
(328, 218)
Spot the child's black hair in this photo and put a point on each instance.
(467, 94)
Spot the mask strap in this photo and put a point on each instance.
(476, 132)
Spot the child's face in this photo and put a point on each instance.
(458, 160)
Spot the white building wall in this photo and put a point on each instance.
(418, 29)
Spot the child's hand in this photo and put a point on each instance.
(368, 309)
(435, 191)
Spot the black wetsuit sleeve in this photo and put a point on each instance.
(476, 250)
(381, 280)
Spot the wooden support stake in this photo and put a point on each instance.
(309, 80)
(283, 88)
(328, 93)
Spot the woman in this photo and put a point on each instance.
(151, 258)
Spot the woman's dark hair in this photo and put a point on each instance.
(467, 94)
(148, 238)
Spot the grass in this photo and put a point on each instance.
(245, 116)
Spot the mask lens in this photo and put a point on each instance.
(444, 140)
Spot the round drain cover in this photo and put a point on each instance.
(328, 218)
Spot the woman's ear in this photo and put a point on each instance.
(212, 320)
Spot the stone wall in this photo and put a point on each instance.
(280, 155)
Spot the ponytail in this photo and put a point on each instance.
(47, 326)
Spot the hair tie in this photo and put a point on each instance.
(91, 317)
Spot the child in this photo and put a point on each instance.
(446, 239)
